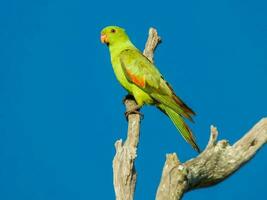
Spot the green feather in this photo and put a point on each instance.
(181, 126)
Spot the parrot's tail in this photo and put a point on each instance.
(180, 125)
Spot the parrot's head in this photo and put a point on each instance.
(111, 35)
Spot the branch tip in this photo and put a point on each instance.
(172, 158)
(213, 136)
(118, 144)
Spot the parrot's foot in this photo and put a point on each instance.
(135, 110)
(128, 96)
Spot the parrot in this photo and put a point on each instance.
(141, 79)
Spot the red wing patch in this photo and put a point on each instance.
(140, 82)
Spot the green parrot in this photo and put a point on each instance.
(143, 80)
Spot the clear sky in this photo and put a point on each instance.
(60, 104)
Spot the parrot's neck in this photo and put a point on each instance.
(116, 49)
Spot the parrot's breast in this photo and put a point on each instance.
(119, 73)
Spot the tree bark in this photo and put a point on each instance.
(217, 162)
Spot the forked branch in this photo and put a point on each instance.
(217, 162)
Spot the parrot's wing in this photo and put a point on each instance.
(139, 70)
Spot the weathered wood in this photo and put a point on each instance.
(217, 162)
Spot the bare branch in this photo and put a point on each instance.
(124, 174)
(217, 162)
(151, 44)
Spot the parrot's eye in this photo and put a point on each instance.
(113, 31)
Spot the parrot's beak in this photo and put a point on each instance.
(104, 38)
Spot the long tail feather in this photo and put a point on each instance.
(180, 125)
(171, 103)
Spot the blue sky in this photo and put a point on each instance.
(60, 104)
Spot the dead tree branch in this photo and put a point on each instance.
(124, 174)
(217, 162)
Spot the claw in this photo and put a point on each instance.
(134, 111)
